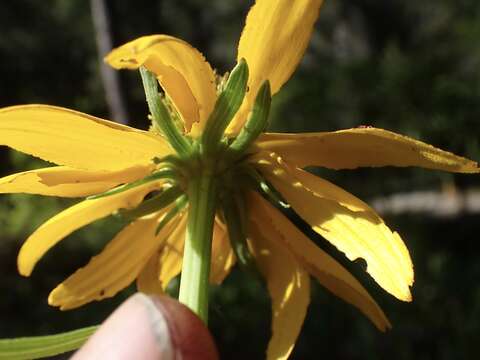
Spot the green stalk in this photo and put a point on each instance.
(194, 283)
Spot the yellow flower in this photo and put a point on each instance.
(96, 155)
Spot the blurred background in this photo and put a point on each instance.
(408, 66)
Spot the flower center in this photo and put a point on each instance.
(209, 173)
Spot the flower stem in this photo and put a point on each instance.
(194, 283)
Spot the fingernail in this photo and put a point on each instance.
(188, 336)
(159, 325)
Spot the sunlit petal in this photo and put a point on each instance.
(68, 182)
(273, 42)
(352, 148)
(183, 72)
(71, 138)
(359, 234)
(73, 218)
(326, 270)
(289, 288)
(115, 267)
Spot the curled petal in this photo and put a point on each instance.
(289, 288)
(318, 263)
(115, 267)
(183, 72)
(273, 42)
(74, 139)
(68, 182)
(352, 148)
(73, 218)
(357, 231)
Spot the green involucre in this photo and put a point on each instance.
(180, 204)
(226, 107)
(157, 202)
(235, 217)
(165, 173)
(264, 188)
(161, 115)
(256, 122)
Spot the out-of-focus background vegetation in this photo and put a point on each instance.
(407, 66)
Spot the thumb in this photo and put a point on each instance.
(147, 328)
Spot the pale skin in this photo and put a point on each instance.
(150, 328)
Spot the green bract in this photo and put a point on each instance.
(208, 174)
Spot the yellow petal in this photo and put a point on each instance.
(171, 255)
(115, 267)
(73, 218)
(289, 288)
(273, 42)
(71, 138)
(359, 233)
(223, 258)
(352, 148)
(318, 263)
(68, 182)
(183, 72)
(109, 272)
(148, 281)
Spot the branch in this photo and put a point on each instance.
(109, 76)
(443, 204)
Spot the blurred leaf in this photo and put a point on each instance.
(43, 346)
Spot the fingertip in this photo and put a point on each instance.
(150, 327)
